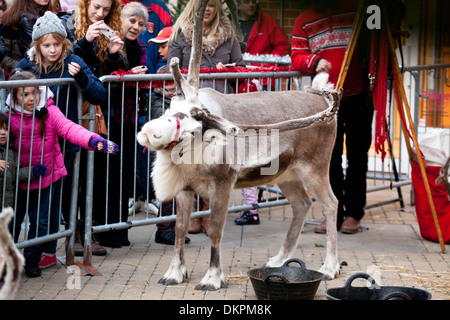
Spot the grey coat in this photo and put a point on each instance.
(227, 52)
(11, 175)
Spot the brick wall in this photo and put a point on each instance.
(291, 9)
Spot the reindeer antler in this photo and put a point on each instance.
(443, 177)
(196, 51)
(234, 19)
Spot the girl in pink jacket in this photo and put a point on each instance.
(37, 122)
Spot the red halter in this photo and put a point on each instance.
(175, 141)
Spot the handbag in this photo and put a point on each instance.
(423, 210)
(100, 125)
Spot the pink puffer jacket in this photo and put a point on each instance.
(56, 125)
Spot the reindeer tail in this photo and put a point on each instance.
(321, 86)
(320, 82)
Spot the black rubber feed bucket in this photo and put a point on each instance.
(374, 292)
(285, 282)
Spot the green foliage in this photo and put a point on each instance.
(175, 10)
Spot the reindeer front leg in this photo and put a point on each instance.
(214, 278)
(177, 272)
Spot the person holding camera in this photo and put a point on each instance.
(94, 28)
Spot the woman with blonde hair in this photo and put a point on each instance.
(220, 48)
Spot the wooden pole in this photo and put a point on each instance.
(360, 15)
(405, 105)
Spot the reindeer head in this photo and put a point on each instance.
(178, 122)
(185, 117)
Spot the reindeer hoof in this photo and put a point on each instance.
(174, 61)
(169, 281)
(330, 274)
(174, 276)
(213, 280)
(210, 286)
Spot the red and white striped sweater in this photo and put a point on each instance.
(325, 35)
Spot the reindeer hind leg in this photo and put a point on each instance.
(321, 189)
(301, 203)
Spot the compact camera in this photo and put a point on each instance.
(108, 32)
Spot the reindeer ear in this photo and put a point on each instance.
(190, 93)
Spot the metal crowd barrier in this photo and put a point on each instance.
(378, 171)
(429, 88)
(68, 232)
(428, 95)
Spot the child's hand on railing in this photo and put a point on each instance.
(3, 165)
(74, 68)
(103, 145)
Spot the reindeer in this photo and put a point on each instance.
(303, 122)
(12, 257)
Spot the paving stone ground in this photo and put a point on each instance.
(389, 245)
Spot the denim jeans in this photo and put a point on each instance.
(144, 184)
(39, 203)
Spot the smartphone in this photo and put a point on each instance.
(108, 32)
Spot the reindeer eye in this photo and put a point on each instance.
(170, 120)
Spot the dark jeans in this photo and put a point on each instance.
(39, 218)
(167, 208)
(145, 190)
(354, 121)
(69, 159)
(144, 185)
(112, 175)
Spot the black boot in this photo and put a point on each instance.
(97, 249)
(247, 218)
(78, 249)
(32, 269)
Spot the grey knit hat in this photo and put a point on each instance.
(48, 23)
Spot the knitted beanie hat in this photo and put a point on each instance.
(48, 23)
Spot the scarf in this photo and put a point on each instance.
(40, 109)
(211, 42)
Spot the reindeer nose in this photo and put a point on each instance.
(148, 134)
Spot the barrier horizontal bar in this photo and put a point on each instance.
(43, 239)
(216, 75)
